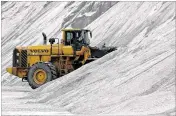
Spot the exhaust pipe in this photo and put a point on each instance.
(44, 38)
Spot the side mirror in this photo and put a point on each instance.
(51, 40)
(91, 34)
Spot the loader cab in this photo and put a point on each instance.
(76, 38)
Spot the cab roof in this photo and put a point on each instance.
(73, 29)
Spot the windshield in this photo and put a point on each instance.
(81, 36)
(86, 38)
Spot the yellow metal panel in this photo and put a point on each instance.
(67, 50)
(9, 70)
(57, 49)
(33, 59)
(81, 52)
(46, 58)
(39, 50)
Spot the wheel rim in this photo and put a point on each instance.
(40, 76)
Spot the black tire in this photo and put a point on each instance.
(53, 70)
(45, 67)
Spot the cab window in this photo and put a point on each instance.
(69, 37)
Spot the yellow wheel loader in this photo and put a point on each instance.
(43, 63)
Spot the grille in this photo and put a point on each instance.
(24, 58)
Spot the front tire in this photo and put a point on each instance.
(41, 73)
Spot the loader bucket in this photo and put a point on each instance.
(98, 53)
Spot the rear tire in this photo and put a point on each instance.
(41, 73)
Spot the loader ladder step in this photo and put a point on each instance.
(63, 63)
